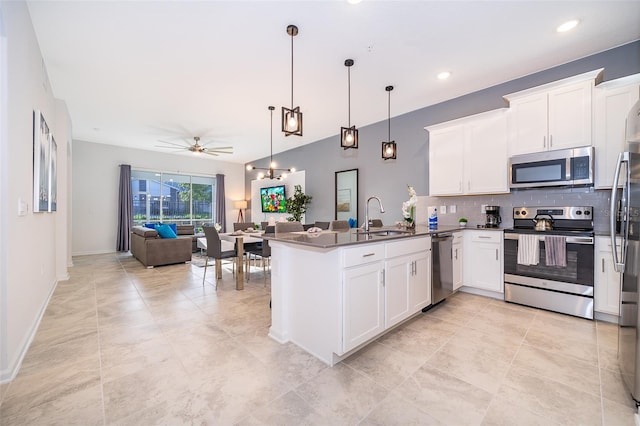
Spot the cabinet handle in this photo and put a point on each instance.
(550, 141)
(544, 141)
(603, 264)
(496, 254)
(383, 277)
(460, 186)
(468, 185)
(484, 237)
(456, 254)
(368, 254)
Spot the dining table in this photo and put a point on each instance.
(239, 238)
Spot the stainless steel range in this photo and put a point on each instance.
(548, 259)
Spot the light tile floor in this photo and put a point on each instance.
(124, 345)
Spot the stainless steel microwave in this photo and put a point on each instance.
(563, 167)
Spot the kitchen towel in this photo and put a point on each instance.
(555, 250)
(528, 249)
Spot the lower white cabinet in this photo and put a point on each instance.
(484, 260)
(606, 280)
(457, 247)
(378, 294)
(363, 308)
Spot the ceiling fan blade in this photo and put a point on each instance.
(210, 153)
(181, 145)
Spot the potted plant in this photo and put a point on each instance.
(297, 205)
(463, 222)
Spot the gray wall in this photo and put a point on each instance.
(389, 179)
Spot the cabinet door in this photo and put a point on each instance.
(528, 124)
(570, 116)
(420, 282)
(457, 263)
(363, 304)
(610, 116)
(446, 149)
(486, 159)
(483, 260)
(396, 289)
(606, 279)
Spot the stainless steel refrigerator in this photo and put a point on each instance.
(625, 209)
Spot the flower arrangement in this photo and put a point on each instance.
(409, 208)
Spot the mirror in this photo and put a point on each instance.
(347, 195)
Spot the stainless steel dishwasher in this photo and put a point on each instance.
(441, 267)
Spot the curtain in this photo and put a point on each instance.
(125, 209)
(221, 216)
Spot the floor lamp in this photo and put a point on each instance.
(240, 204)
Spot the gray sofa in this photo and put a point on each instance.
(151, 250)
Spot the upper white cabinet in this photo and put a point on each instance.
(554, 116)
(612, 102)
(469, 155)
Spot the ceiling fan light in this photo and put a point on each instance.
(260, 175)
(389, 150)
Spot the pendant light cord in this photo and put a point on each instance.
(389, 115)
(292, 70)
(349, 94)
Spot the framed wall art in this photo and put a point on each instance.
(53, 176)
(41, 163)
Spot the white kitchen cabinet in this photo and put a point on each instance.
(483, 266)
(363, 303)
(612, 102)
(457, 247)
(469, 155)
(554, 116)
(407, 280)
(606, 279)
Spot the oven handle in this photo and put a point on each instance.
(570, 240)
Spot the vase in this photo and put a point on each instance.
(409, 225)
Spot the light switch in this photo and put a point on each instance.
(483, 207)
(452, 208)
(443, 209)
(23, 208)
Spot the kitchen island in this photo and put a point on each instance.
(334, 292)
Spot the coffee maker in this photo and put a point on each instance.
(493, 216)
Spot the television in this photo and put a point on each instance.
(273, 199)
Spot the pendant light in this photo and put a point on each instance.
(271, 171)
(292, 117)
(389, 148)
(349, 135)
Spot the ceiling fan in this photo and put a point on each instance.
(196, 147)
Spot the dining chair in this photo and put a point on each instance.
(339, 225)
(263, 225)
(288, 227)
(243, 226)
(263, 251)
(322, 225)
(215, 251)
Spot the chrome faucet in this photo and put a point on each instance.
(366, 211)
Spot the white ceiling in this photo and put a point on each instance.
(135, 72)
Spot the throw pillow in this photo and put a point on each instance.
(165, 231)
(150, 225)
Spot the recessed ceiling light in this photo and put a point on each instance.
(567, 26)
(444, 75)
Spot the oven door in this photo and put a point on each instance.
(576, 277)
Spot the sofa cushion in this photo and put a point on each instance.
(144, 232)
(185, 230)
(165, 231)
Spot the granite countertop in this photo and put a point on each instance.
(334, 239)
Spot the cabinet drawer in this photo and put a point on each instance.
(407, 246)
(486, 237)
(364, 254)
(458, 237)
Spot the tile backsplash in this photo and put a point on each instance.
(470, 206)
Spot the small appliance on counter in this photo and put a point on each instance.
(493, 216)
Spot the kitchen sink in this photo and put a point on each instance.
(385, 232)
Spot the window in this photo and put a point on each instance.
(171, 197)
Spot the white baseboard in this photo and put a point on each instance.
(479, 292)
(12, 369)
(92, 252)
(601, 316)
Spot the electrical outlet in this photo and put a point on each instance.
(483, 208)
(452, 208)
(443, 209)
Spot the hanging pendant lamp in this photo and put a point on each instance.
(271, 171)
(389, 148)
(349, 135)
(292, 117)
